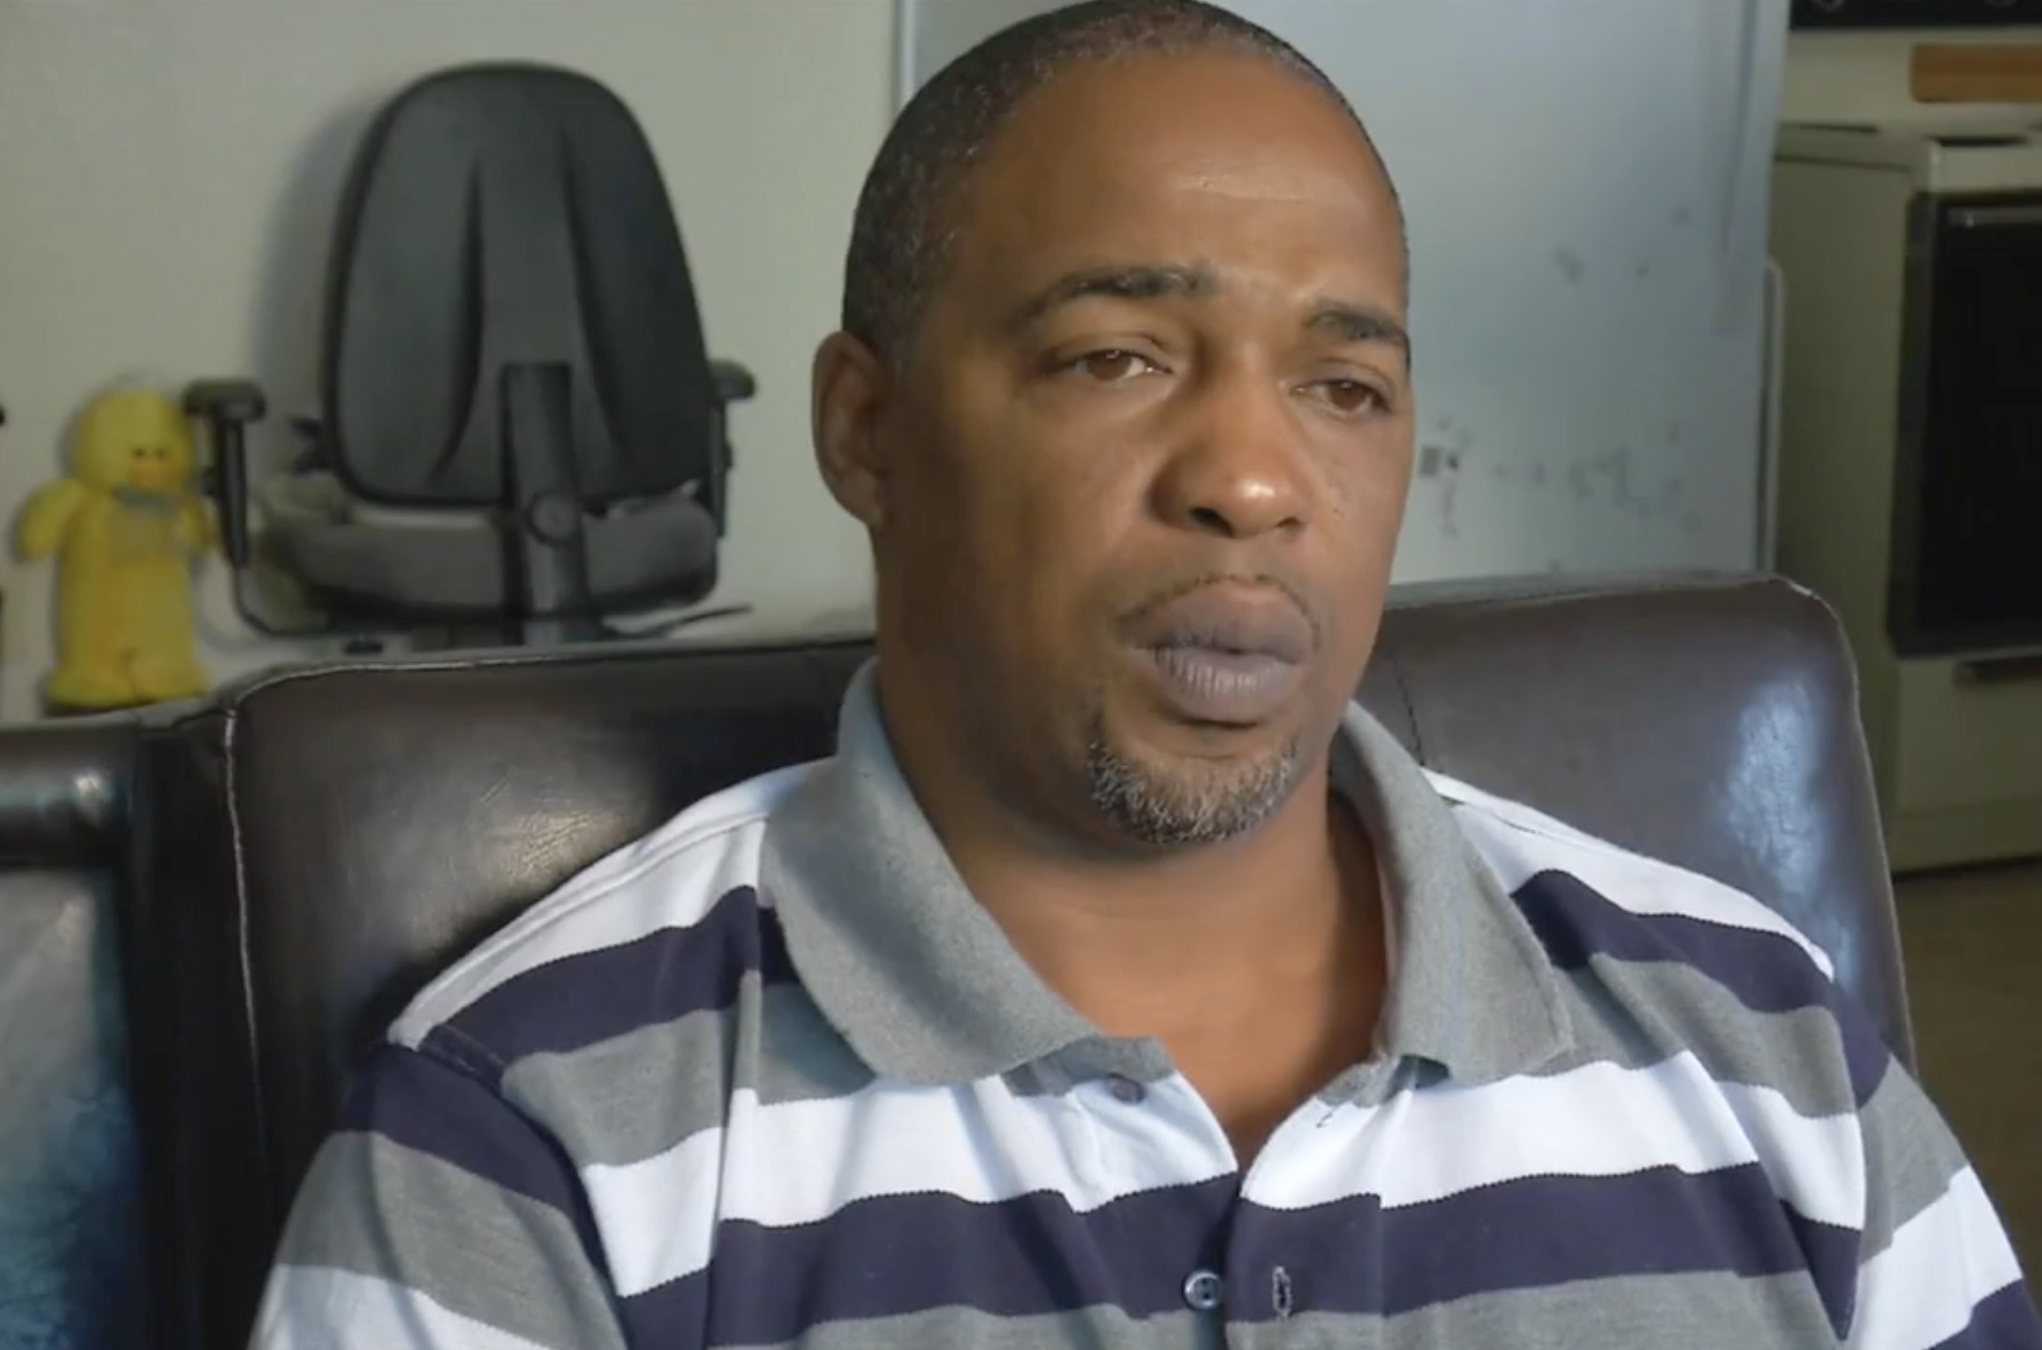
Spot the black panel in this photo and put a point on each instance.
(1967, 567)
(1913, 13)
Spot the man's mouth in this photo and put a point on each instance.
(1227, 654)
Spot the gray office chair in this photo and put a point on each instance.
(521, 431)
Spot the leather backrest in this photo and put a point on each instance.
(71, 1235)
(372, 822)
(1712, 724)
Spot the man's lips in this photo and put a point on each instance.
(1229, 620)
(1226, 654)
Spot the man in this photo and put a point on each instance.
(1118, 983)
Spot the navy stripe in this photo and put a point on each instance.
(1767, 972)
(907, 1254)
(1833, 1253)
(904, 1254)
(2002, 1321)
(1532, 1233)
(415, 1101)
(593, 996)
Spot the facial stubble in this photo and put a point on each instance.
(1197, 802)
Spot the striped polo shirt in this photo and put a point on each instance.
(770, 1077)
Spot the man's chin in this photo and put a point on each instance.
(1167, 796)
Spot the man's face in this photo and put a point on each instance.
(1146, 460)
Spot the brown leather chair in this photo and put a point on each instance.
(308, 848)
(71, 1248)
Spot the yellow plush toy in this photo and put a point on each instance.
(124, 526)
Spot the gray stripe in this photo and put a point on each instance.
(970, 1329)
(1694, 1312)
(1910, 1156)
(634, 1096)
(1638, 1014)
(379, 1209)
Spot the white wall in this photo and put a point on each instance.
(168, 170)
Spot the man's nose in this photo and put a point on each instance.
(1240, 469)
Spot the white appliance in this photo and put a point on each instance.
(1586, 184)
(1912, 249)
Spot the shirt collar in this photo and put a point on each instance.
(1471, 986)
(924, 985)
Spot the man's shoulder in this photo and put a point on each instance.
(687, 890)
(1548, 865)
(1664, 961)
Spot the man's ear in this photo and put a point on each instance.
(849, 389)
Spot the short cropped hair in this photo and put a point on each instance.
(902, 233)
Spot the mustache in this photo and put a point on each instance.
(1175, 590)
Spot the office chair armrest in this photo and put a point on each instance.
(235, 401)
(228, 408)
(733, 383)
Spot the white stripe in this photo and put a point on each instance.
(1517, 848)
(1601, 1120)
(318, 1308)
(1519, 814)
(670, 878)
(1940, 1265)
(1815, 1163)
(657, 1217)
(799, 1162)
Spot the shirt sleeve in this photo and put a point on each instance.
(1935, 1270)
(437, 1216)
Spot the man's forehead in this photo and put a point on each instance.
(1150, 241)
(1117, 152)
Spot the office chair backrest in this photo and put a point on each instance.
(507, 216)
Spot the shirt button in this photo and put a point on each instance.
(1202, 1290)
(1125, 1089)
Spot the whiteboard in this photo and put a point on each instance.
(1587, 185)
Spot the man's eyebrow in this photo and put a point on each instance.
(1354, 322)
(1126, 281)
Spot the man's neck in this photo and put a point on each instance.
(1163, 937)
(1258, 963)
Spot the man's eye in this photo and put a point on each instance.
(1113, 366)
(1351, 396)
